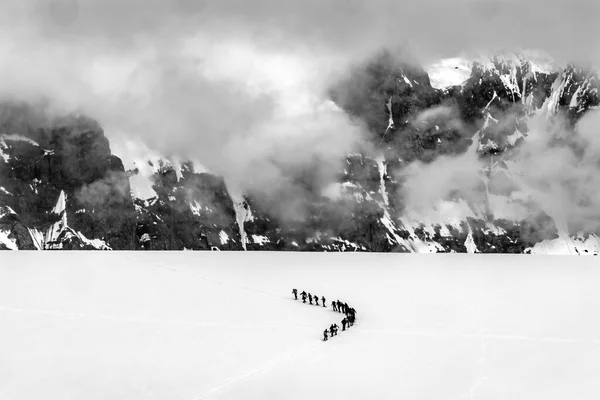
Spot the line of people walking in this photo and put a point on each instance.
(337, 306)
(310, 297)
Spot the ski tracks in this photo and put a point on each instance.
(267, 366)
(219, 282)
(254, 372)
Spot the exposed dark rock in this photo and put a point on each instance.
(195, 211)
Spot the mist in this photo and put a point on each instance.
(563, 177)
(556, 177)
(242, 86)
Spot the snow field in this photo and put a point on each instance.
(187, 325)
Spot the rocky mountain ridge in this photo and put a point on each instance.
(62, 188)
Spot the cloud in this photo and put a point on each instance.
(240, 85)
(252, 113)
(445, 117)
(447, 178)
(563, 177)
(559, 177)
(114, 187)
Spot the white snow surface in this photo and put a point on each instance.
(243, 213)
(390, 115)
(37, 237)
(61, 204)
(18, 138)
(6, 210)
(10, 243)
(224, 237)
(260, 240)
(191, 326)
(449, 72)
(48, 239)
(564, 244)
(470, 243)
(14, 138)
(141, 186)
(382, 172)
(136, 154)
(4, 155)
(551, 104)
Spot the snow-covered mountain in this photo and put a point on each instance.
(56, 175)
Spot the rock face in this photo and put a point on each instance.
(190, 211)
(62, 188)
(65, 161)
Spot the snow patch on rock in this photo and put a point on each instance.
(577, 245)
(224, 237)
(10, 243)
(260, 240)
(449, 72)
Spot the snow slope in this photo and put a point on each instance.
(197, 326)
(449, 72)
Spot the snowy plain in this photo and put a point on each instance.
(191, 326)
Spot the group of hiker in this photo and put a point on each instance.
(310, 297)
(336, 305)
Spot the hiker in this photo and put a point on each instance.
(334, 305)
(332, 330)
(346, 308)
(295, 293)
(316, 300)
(323, 300)
(344, 322)
(303, 294)
(335, 329)
(340, 305)
(325, 335)
(310, 298)
(350, 313)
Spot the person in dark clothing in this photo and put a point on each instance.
(346, 308)
(344, 322)
(303, 294)
(335, 329)
(316, 299)
(310, 298)
(334, 305)
(325, 335)
(323, 299)
(332, 330)
(339, 305)
(295, 293)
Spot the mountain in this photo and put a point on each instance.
(62, 188)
